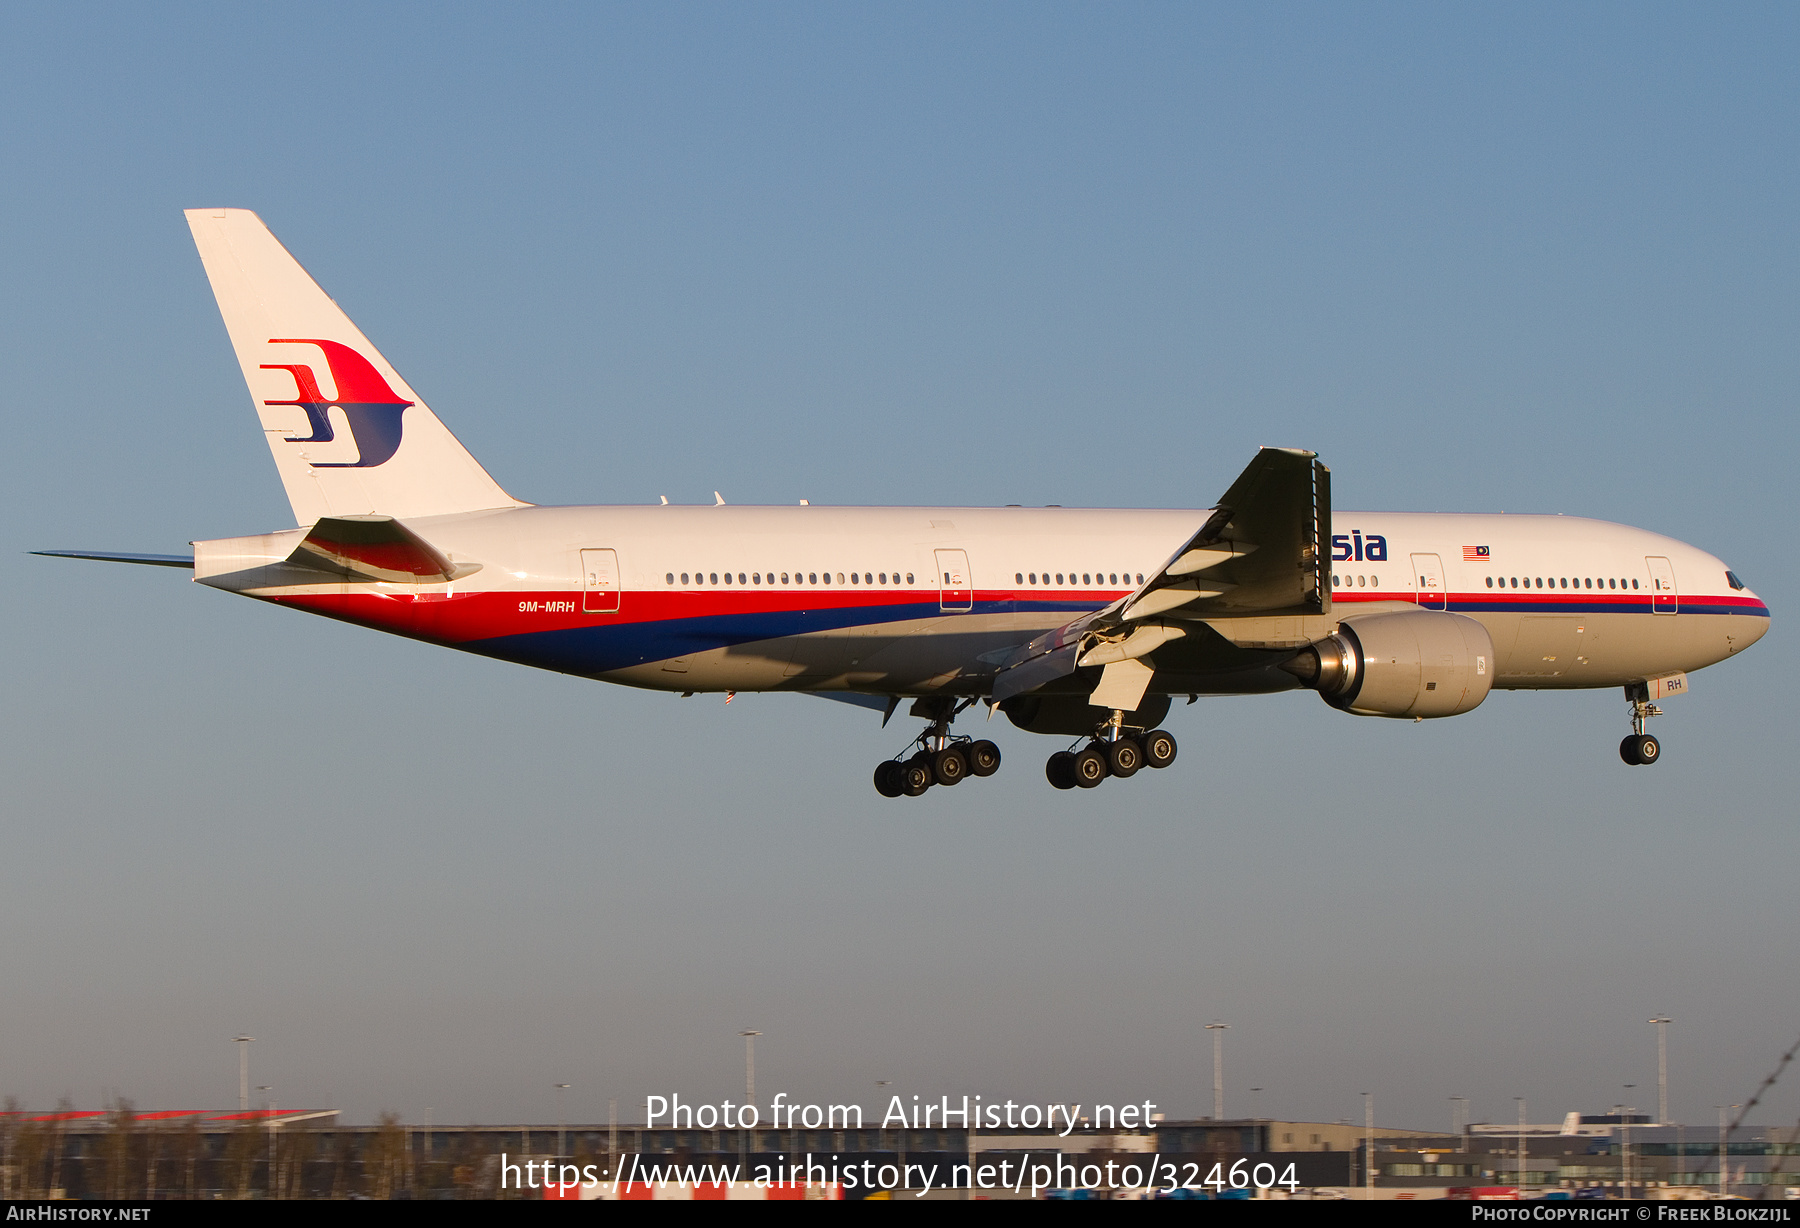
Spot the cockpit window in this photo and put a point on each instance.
(1731, 579)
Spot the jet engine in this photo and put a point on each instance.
(1412, 664)
(1073, 716)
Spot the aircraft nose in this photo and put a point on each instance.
(1754, 624)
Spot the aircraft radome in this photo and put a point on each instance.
(1079, 624)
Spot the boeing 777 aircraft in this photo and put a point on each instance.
(1079, 624)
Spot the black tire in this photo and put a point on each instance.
(1059, 770)
(1089, 767)
(1649, 750)
(984, 758)
(915, 776)
(1124, 757)
(949, 766)
(887, 779)
(1159, 748)
(1628, 749)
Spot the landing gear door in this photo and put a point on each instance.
(1428, 581)
(599, 582)
(1663, 597)
(956, 587)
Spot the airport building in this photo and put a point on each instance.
(310, 1154)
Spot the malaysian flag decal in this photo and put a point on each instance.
(1474, 554)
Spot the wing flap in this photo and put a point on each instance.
(1260, 553)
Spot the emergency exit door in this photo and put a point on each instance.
(1663, 597)
(599, 582)
(956, 588)
(1428, 581)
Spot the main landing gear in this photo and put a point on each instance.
(1114, 751)
(1639, 749)
(940, 759)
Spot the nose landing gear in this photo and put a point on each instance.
(1639, 749)
(940, 759)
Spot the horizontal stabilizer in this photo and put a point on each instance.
(377, 548)
(114, 556)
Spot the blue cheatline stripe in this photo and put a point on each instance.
(601, 647)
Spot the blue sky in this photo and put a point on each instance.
(1527, 258)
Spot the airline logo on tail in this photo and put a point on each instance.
(369, 406)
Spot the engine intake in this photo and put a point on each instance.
(1412, 664)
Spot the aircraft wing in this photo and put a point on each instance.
(1262, 551)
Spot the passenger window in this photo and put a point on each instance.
(684, 578)
(1334, 580)
(1490, 581)
(1634, 584)
(1374, 581)
(812, 577)
(1059, 577)
(853, 577)
(1140, 578)
(909, 578)
(867, 578)
(1113, 578)
(756, 577)
(1359, 582)
(1032, 579)
(840, 578)
(881, 576)
(1085, 579)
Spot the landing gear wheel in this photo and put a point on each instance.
(915, 776)
(1159, 748)
(887, 779)
(949, 765)
(1640, 750)
(1124, 757)
(984, 758)
(1060, 770)
(1628, 749)
(1089, 767)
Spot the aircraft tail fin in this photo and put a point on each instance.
(349, 436)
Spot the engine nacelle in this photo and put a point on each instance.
(1414, 664)
(1073, 716)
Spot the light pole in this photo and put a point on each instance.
(1625, 1138)
(1256, 1119)
(1662, 1069)
(1521, 1101)
(750, 1066)
(1368, 1144)
(269, 1103)
(1722, 1111)
(243, 1044)
(562, 1118)
(1459, 1113)
(1218, 1031)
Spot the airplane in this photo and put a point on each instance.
(1080, 624)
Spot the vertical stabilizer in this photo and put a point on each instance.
(349, 436)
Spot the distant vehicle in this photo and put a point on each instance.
(1077, 624)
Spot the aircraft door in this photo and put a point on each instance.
(1663, 597)
(599, 582)
(956, 587)
(1428, 581)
